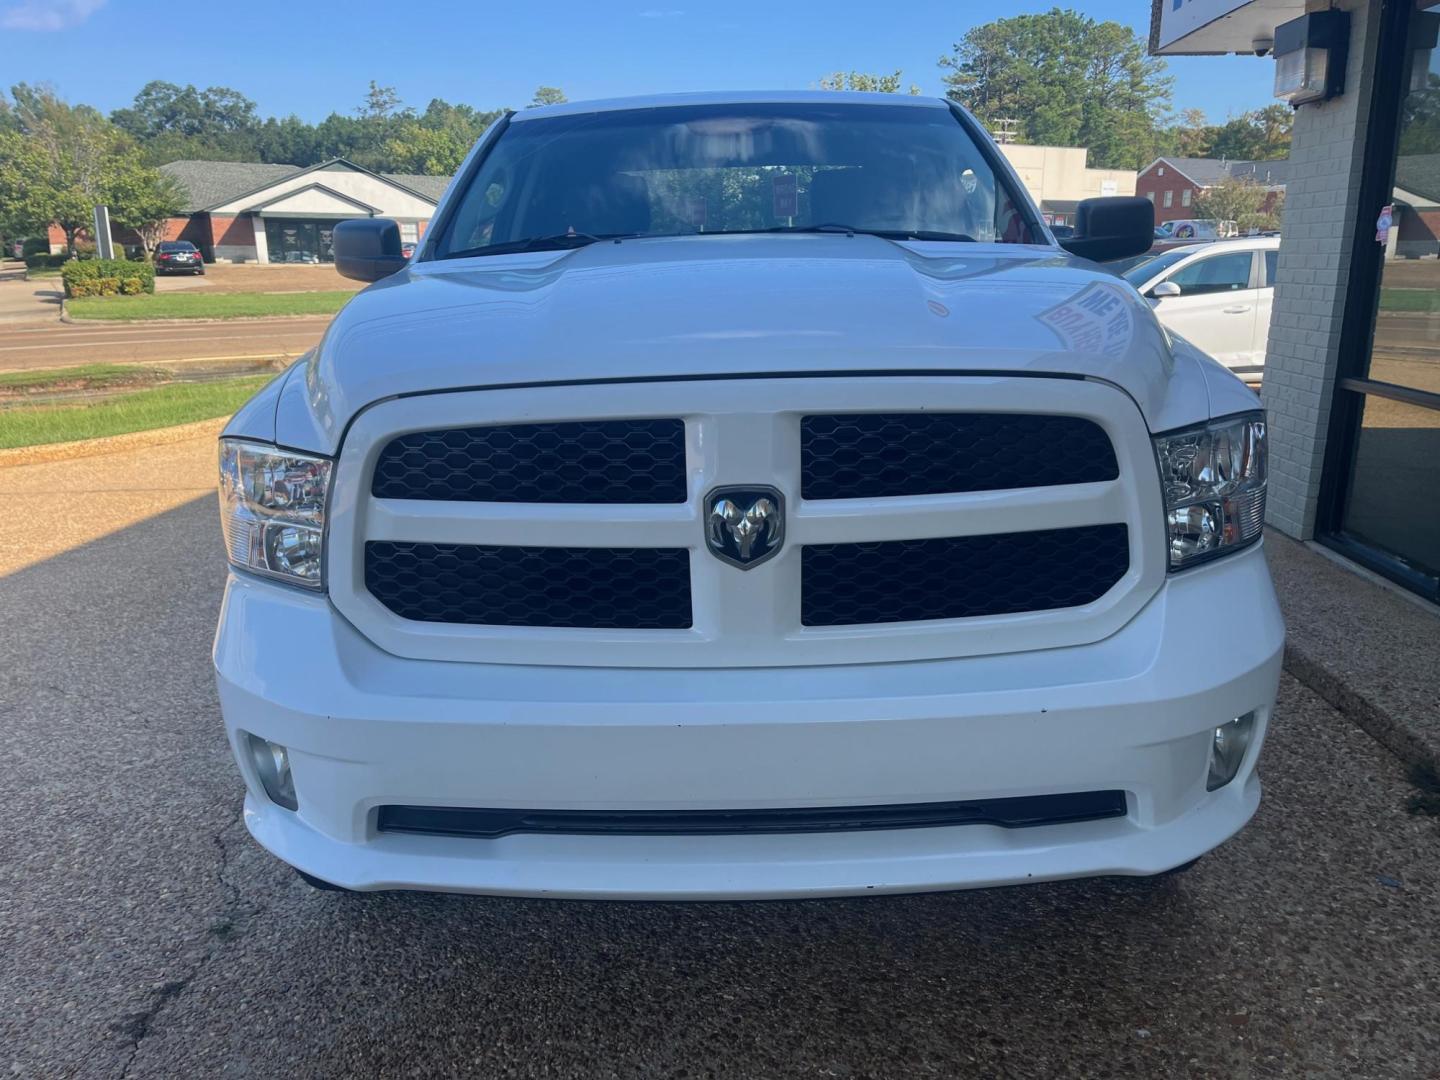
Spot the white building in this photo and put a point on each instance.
(1058, 177)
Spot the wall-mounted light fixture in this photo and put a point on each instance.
(1424, 34)
(1310, 55)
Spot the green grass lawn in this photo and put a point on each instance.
(163, 406)
(184, 305)
(86, 376)
(46, 272)
(1409, 300)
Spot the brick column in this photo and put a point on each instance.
(1321, 207)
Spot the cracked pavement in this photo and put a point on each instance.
(143, 934)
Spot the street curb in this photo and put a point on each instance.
(1367, 650)
(1382, 726)
(111, 444)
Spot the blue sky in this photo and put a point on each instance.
(311, 57)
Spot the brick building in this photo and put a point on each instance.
(249, 212)
(1173, 183)
(1352, 372)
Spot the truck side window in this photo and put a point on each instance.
(1217, 273)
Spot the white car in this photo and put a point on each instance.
(725, 502)
(1218, 295)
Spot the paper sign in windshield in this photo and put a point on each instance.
(785, 193)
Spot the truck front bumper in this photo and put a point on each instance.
(1135, 712)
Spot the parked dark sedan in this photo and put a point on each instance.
(178, 257)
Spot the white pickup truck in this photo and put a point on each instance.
(745, 496)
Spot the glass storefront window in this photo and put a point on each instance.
(1394, 483)
(290, 240)
(1383, 508)
(1406, 346)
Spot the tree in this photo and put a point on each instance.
(57, 163)
(1262, 135)
(25, 198)
(143, 199)
(547, 95)
(1420, 119)
(380, 102)
(169, 122)
(287, 141)
(1193, 135)
(163, 107)
(432, 151)
(1232, 198)
(1064, 79)
(863, 81)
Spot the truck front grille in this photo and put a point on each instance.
(883, 455)
(491, 585)
(962, 516)
(960, 577)
(589, 461)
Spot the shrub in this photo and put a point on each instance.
(107, 277)
(35, 245)
(44, 261)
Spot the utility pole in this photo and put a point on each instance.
(1005, 129)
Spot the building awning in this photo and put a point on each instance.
(1209, 27)
(1059, 206)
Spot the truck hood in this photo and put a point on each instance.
(736, 305)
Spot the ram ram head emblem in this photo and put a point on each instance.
(744, 526)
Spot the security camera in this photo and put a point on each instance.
(1262, 45)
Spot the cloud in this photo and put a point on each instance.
(661, 13)
(48, 15)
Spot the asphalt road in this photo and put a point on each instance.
(143, 934)
(30, 346)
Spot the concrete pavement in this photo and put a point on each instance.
(142, 933)
(27, 301)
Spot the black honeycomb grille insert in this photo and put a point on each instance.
(485, 585)
(960, 577)
(881, 455)
(585, 461)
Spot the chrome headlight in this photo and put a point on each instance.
(1213, 479)
(272, 511)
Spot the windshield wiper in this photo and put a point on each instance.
(931, 234)
(822, 227)
(557, 242)
(851, 230)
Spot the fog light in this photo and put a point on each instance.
(1227, 750)
(272, 764)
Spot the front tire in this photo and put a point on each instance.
(1175, 871)
(320, 883)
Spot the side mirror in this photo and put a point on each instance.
(1112, 228)
(1164, 289)
(367, 249)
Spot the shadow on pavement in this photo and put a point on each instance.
(141, 929)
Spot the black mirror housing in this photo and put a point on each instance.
(367, 249)
(1115, 227)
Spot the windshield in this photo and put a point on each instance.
(902, 171)
(175, 245)
(1153, 266)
